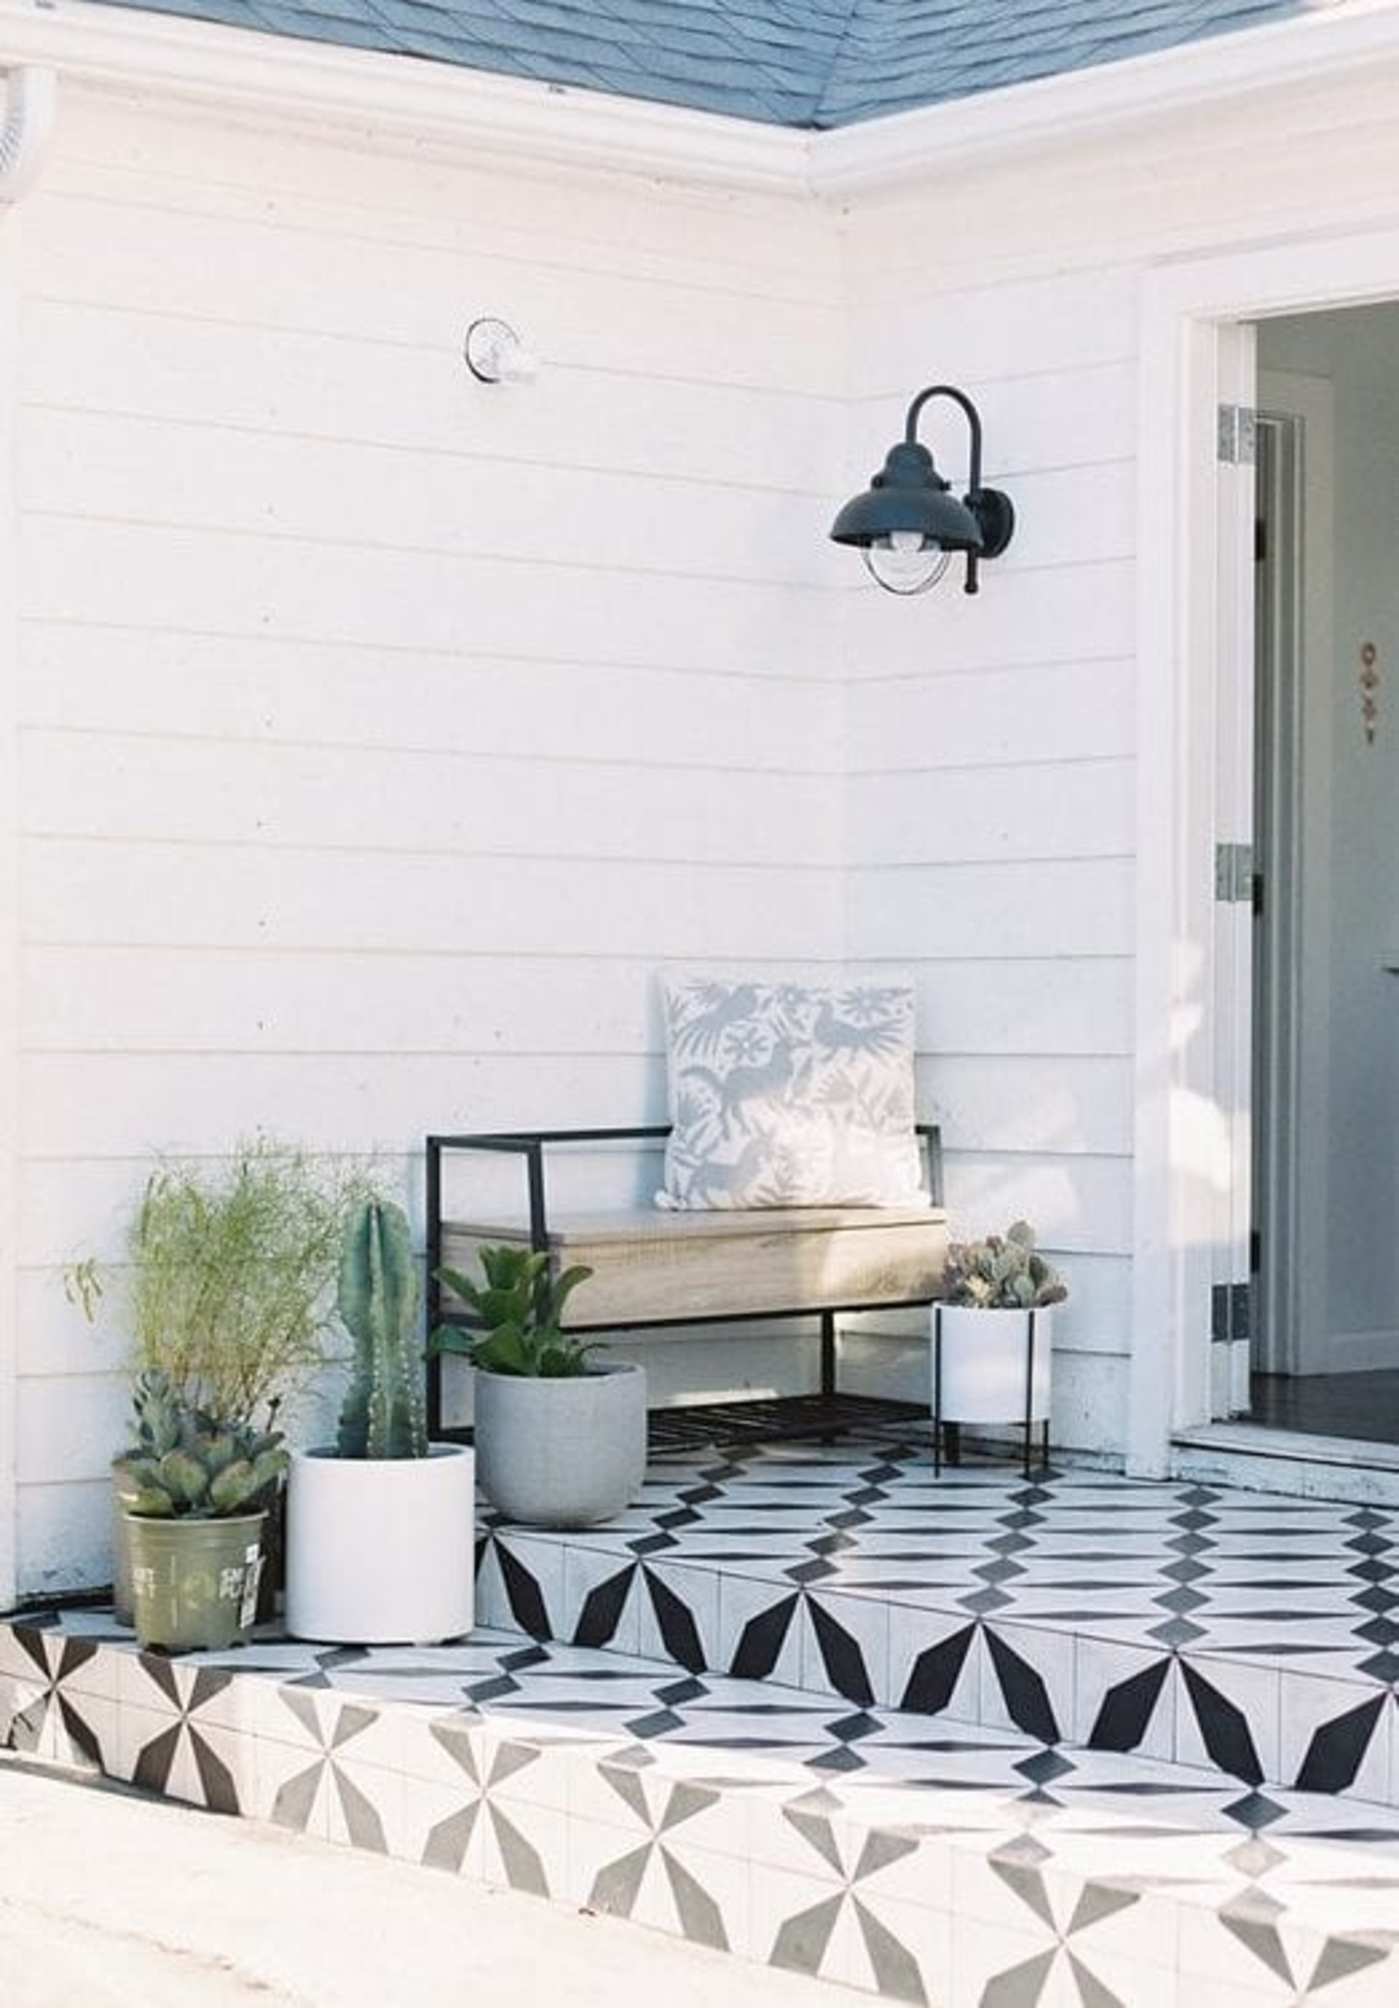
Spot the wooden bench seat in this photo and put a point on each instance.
(651, 1267)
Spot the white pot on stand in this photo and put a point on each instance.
(991, 1367)
(381, 1550)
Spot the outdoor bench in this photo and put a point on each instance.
(655, 1270)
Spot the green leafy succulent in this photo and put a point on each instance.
(186, 1466)
(520, 1309)
(1002, 1273)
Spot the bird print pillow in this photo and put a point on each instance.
(783, 1094)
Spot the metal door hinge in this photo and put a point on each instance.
(1233, 873)
(1237, 434)
(1230, 1313)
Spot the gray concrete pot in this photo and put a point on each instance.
(561, 1453)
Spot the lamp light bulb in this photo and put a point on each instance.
(906, 562)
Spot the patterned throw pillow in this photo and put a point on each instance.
(787, 1095)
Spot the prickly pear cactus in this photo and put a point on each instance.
(382, 1414)
(1003, 1273)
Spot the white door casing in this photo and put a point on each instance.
(1186, 1121)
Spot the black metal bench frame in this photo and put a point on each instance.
(752, 1421)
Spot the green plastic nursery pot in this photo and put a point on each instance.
(122, 1489)
(194, 1582)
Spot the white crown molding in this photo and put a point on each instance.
(380, 96)
(1338, 38)
(403, 101)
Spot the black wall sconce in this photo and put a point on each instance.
(908, 524)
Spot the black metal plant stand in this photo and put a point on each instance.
(789, 1417)
(954, 1428)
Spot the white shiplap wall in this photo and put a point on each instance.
(381, 733)
(992, 745)
(990, 790)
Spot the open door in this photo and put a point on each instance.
(1293, 732)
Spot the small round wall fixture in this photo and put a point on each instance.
(908, 525)
(494, 353)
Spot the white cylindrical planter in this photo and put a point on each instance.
(562, 1453)
(381, 1551)
(985, 1363)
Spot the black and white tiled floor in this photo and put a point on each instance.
(1179, 1621)
(957, 1866)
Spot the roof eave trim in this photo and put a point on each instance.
(885, 152)
(408, 101)
(307, 84)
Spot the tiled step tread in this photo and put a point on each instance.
(1250, 1633)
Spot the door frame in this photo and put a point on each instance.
(1181, 1145)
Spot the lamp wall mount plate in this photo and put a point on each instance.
(494, 352)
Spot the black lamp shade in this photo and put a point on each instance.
(908, 497)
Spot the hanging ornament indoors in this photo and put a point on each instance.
(908, 525)
(1369, 690)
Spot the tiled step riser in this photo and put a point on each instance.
(785, 1873)
(1260, 1724)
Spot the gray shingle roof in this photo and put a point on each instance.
(805, 63)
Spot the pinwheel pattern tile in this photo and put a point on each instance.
(917, 1858)
(59, 1696)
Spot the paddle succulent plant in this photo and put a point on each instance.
(1002, 1273)
(520, 1309)
(187, 1466)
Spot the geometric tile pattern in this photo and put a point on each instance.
(969, 1866)
(1254, 1634)
(57, 1699)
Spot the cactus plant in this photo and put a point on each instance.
(187, 1466)
(382, 1416)
(1002, 1273)
(521, 1308)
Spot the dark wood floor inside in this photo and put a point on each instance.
(1363, 1406)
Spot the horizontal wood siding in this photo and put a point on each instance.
(992, 745)
(990, 788)
(381, 733)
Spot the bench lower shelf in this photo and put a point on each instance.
(775, 1419)
(779, 1418)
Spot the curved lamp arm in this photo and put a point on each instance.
(973, 418)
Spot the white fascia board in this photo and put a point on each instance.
(1336, 38)
(376, 93)
(408, 101)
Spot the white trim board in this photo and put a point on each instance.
(1252, 1459)
(1176, 1139)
